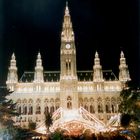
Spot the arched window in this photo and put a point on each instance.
(24, 110)
(46, 110)
(24, 101)
(30, 101)
(38, 101)
(69, 102)
(113, 108)
(113, 105)
(92, 109)
(19, 109)
(100, 108)
(107, 108)
(86, 107)
(30, 110)
(38, 109)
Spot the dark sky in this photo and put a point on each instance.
(109, 26)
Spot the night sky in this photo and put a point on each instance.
(108, 26)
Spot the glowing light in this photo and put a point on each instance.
(78, 120)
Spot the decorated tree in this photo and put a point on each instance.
(7, 108)
(130, 107)
(7, 112)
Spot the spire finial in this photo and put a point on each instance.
(67, 9)
(39, 55)
(122, 54)
(96, 55)
(13, 56)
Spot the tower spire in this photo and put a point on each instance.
(67, 9)
(68, 76)
(38, 69)
(97, 69)
(67, 34)
(12, 77)
(124, 72)
(68, 50)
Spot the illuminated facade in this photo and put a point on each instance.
(40, 91)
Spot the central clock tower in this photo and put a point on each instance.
(68, 51)
(68, 75)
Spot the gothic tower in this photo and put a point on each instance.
(38, 76)
(68, 76)
(97, 73)
(12, 78)
(124, 72)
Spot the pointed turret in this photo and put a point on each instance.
(67, 34)
(12, 78)
(124, 72)
(97, 69)
(38, 77)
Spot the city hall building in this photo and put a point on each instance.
(37, 92)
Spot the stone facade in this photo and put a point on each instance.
(41, 91)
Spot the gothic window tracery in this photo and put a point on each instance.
(30, 101)
(38, 101)
(24, 101)
(46, 100)
(91, 100)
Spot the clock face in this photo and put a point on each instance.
(67, 46)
